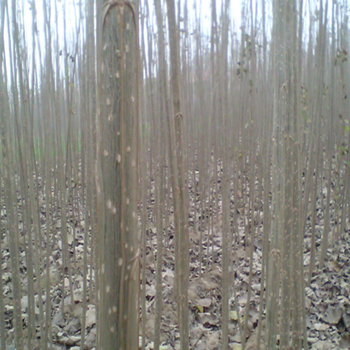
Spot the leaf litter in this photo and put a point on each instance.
(327, 297)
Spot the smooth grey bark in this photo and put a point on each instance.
(117, 178)
(180, 205)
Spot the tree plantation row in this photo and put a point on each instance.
(174, 175)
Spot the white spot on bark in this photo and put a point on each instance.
(132, 99)
(109, 311)
(108, 101)
(112, 329)
(133, 164)
(114, 309)
(119, 158)
(126, 48)
(117, 75)
(105, 153)
(120, 262)
(127, 201)
(134, 215)
(103, 268)
(128, 149)
(111, 207)
(108, 288)
(110, 117)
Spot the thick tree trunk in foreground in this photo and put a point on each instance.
(117, 124)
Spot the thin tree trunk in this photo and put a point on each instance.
(180, 205)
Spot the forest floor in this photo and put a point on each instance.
(326, 293)
(326, 297)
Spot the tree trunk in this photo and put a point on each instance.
(116, 175)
